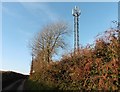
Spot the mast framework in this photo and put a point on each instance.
(76, 13)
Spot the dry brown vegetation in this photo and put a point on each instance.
(94, 67)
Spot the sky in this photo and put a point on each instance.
(22, 20)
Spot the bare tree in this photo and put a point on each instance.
(49, 39)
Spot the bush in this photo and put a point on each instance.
(90, 68)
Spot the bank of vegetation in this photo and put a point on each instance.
(92, 67)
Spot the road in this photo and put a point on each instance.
(17, 85)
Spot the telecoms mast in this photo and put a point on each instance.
(76, 13)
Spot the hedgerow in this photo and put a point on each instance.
(94, 67)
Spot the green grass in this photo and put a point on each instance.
(35, 85)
